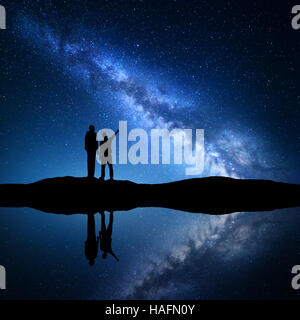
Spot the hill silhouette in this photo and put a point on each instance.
(212, 195)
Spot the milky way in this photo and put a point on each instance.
(146, 104)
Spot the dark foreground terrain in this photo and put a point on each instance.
(213, 195)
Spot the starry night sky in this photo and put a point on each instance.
(228, 67)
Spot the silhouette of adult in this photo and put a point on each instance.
(91, 146)
(105, 236)
(91, 243)
(106, 155)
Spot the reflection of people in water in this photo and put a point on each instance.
(106, 155)
(91, 243)
(105, 236)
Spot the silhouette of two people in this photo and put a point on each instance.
(105, 152)
(105, 238)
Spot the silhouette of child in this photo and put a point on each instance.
(105, 236)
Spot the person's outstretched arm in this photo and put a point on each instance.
(112, 137)
(112, 253)
(116, 133)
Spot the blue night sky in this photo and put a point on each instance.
(227, 67)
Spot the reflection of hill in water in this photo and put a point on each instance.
(213, 195)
